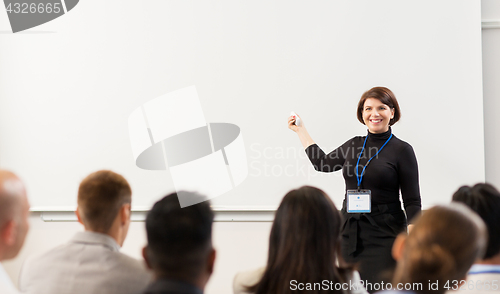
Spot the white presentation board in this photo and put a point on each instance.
(68, 87)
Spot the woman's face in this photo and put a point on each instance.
(377, 115)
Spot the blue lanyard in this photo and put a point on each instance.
(360, 177)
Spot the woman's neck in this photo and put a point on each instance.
(380, 136)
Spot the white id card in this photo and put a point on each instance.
(359, 201)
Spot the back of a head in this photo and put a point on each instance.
(9, 198)
(100, 197)
(484, 199)
(179, 239)
(442, 246)
(14, 212)
(304, 241)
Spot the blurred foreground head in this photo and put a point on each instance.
(484, 199)
(442, 246)
(14, 213)
(180, 240)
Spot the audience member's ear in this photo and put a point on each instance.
(145, 255)
(211, 261)
(8, 233)
(77, 212)
(125, 212)
(398, 246)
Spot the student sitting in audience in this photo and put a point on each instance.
(14, 212)
(484, 199)
(439, 251)
(91, 261)
(303, 250)
(179, 246)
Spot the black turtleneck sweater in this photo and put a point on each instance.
(394, 168)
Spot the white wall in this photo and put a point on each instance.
(491, 91)
(252, 62)
(243, 245)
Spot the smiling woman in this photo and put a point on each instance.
(378, 109)
(376, 167)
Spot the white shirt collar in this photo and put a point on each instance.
(88, 237)
(484, 269)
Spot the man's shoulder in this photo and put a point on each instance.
(44, 257)
(481, 279)
(64, 257)
(84, 266)
(485, 281)
(129, 262)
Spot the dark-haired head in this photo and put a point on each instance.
(180, 240)
(484, 199)
(385, 96)
(443, 244)
(304, 242)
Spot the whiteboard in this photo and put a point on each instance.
(68, 87)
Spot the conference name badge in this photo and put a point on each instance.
(359, 201)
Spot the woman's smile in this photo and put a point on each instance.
(377, 115)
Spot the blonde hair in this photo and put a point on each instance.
(444, 243)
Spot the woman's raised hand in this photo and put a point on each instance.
(291, 123)
(300, 130)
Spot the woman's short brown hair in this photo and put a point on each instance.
(385, 96)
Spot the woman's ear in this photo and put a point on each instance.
(399, 246)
